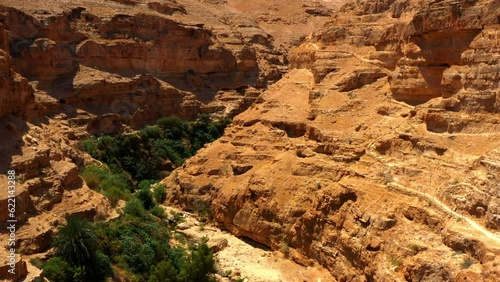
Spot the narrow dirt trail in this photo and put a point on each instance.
(490, 235)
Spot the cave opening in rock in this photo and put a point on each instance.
(419, 75)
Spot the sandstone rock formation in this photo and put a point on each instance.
(68, 70)
(16, 94)
(61, 48)
(378, 156)
(371, 147)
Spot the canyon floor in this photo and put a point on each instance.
(247, 259)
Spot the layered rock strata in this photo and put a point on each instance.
(377, 157)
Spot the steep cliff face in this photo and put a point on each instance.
(16, 95)
(349, 181)
(67, 71)
(378, 156)
(55, 46)
(416, 46)
(72, 69)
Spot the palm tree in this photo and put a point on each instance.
(75, 241)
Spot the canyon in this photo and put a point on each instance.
(365, 142)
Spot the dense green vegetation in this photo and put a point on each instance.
(113, 185)
(77, 257)
(143, 154)
(131, 162)
(141, 245)
(137, 244)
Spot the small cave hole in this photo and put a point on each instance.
(373, 248)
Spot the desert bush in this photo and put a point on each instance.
(114, 186)
(198, 265)
(416, 248)
(146, 198)
(395, 261)
(284, 247)
(135, 208)
(93, 176)
(146, 184)
(203, 210)
(163, 272)
(37, 263)
(102, 266)
(160, 193)
(114, 194)
(158, 212)
(58, 270)
(466, 263)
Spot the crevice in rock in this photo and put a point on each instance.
(239, 169)
(293, 130)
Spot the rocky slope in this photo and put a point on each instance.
(372, 148)
(69, 69)
(138, 53)
(240, 258)
(378, 156)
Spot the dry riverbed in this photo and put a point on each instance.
(243, 259)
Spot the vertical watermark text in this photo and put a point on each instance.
(11, 221)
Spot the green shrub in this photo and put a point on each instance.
(37, 263)
(114, 194)
(114, 186)
(160, 193)
(118, 180)
(180, 237)
(80, 274)
(227, 273)
(102, 267)
(158, 212)
(199, 265)
(177, 256)
(139, 255)
(466, 263)
(135, 208)
(177, 216)
(58, 270)
(203, 210)
(284, 247)
(93, 176)
(395, 261)
(146, 184)
(146, 198)
(416, 248)
(90, 147)
(163, 272)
